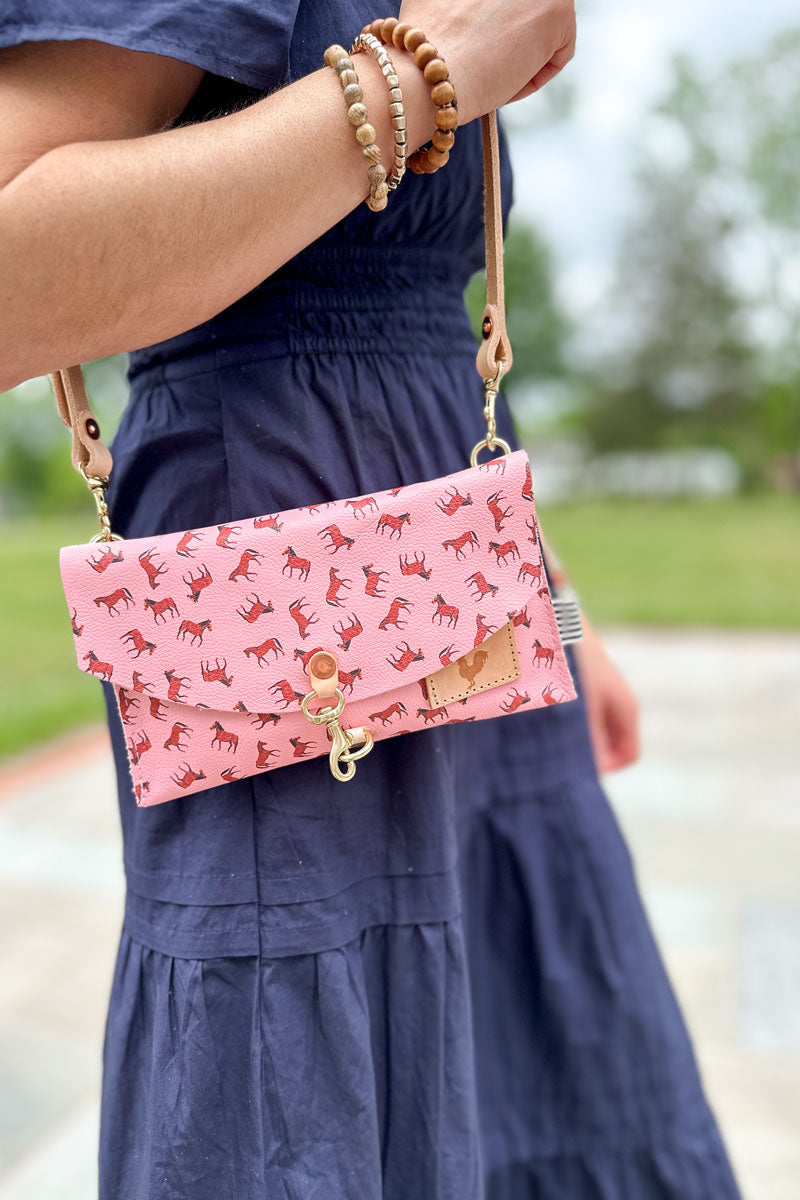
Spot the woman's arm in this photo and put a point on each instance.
(114, 243)
(58, 92)
(108, 245)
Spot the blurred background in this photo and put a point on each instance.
(653, 280)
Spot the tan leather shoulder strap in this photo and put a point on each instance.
(495, 346)
(90, 454)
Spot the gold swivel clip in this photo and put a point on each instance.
(323, 671)
(97, 485)
(491, 442)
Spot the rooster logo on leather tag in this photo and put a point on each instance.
(494, 662)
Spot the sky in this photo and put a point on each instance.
(572, 177)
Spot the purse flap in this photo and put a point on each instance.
(396, 584)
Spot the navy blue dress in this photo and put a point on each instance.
(436, 982)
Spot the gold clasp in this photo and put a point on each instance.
(323, 671)
(97, 485)
(342, 740)
(491, 442)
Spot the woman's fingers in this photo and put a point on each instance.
(621, 738)
(546, 73)
(612, 710)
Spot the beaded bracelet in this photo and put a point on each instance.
(405, 36)
(337, 57)
(366, 41)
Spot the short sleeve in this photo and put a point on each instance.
(244, 40)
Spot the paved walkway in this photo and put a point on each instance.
(712, 814)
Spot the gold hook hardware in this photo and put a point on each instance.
(491, 442)
(342, 740)
(97, 485)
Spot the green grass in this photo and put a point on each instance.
(725, 563)
(43, 692)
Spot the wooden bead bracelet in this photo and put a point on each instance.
(338, 58)
(392, 31)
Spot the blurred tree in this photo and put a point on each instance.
(756, 143)
(683, 372)
(707, 293)
(746, 121)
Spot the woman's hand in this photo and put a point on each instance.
(611, 706)
(496, 50)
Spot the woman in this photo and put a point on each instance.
(439, 981)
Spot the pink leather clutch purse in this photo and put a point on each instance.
(431, 599)
(249, 646)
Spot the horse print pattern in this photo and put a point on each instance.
(206, 633)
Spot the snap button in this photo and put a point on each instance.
(323, 665)
(323, 673)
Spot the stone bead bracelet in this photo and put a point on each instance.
(366, 41)
(338, 58)
(392, 31)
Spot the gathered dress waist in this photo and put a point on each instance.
(332, 299)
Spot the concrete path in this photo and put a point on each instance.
(712, 814)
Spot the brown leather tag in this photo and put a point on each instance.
(493, 662)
